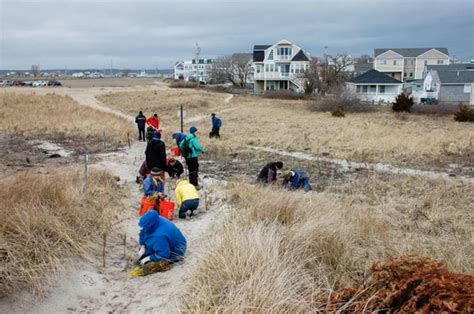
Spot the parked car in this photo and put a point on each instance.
(2, 83)
(8, 83)
(54, 83)
(38, 84)
(28, 83)
(18, 83)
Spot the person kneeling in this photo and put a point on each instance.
(161, 242)
(187, 198)
(153, 186)
(296, 179)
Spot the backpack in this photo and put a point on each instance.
(185, 149)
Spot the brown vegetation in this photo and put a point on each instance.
(464, 114)
(47, 220)
(287, 252)
(58, 116)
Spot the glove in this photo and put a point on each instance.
(145, 260)
(141, 251)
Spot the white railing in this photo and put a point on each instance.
(274, 75)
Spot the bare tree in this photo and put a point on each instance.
(365, 58)
(235, 69)
(35, 69)
(328, 76)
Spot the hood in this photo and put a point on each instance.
(149, 222)
(156, 136)
(181, 183)
(177, 135)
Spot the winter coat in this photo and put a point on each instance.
(175, 170)
(155, 153)
(178, 137)
(193, 143)
(185, 191)
(216, 122)
(150, 187)
(161, 238)
(268, 174)
(153, 122)
(143, 171)
(140, 120)
(299, 176)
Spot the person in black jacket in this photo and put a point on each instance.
(268, 174)
(155, 152)
(174, 168)
(140, 120)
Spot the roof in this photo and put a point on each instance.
(300, 56)
(374, 77)
(408, 52)
(451, 67)
(363, 67)
(259, 53)
(456, 77)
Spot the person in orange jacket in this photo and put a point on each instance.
(153, 121)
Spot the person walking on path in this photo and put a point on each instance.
(140, 120)
(295, 179)
(160, 240)
(216, 126)
(268, 174)
(191, 149)
(153, 121)
(155, 152)
(187, 198)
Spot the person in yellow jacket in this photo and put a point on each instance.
(187, 198)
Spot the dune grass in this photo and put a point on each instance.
(47, 221)
(286, 252)
(56, 116)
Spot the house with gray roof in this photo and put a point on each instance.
(375, 86)
(408, 63)
(447, 85)
(279, 66)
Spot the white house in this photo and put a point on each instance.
(408, 63)
(192, 70)
(375, 86)
(279, 66)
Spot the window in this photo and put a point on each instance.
(394, 62)
(267, 69)
(405, 74)
(358, 89)
(364, 88)
(270, 55)
(284, 53)
(411, 74)
(426, 62)
(383, 61)
(440, 61)
(373, 88)
(467, 88)
(381, 89)
(257, 68)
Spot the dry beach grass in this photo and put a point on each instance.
(286, 252)
(47, 221)
(56, 116)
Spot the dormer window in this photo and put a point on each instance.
(284, 53)
(270, 55)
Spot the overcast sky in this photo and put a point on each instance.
(149, 34)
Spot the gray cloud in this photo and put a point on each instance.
(138, 34)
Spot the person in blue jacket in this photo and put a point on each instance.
(295, 179)
(178, 137)
(154, 185)
(216, 126)
(160, 239)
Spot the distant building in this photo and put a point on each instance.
(448, 84)
(375, 86)
(192, 70)
(279, 66)
(408, 63)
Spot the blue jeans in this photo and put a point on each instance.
(188, 205)
(304, 182)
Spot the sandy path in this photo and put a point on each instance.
(93, 288)
(347, 165)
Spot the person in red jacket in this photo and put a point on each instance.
(153, 121)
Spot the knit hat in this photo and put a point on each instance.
(213, 114)
(155, 171)
(279, 164)
(193, 129)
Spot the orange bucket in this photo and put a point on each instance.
(146, 205)
(167, 209)
(175, 152)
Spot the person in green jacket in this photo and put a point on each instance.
(191, 149)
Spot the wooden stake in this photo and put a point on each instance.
(86, 158)
(104, 246)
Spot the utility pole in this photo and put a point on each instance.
(198, 52)
(111, 66)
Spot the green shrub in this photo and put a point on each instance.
(402, 103)
(464, 114)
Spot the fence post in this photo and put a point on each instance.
(182, 123)
(86, 159)
(128, 140)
